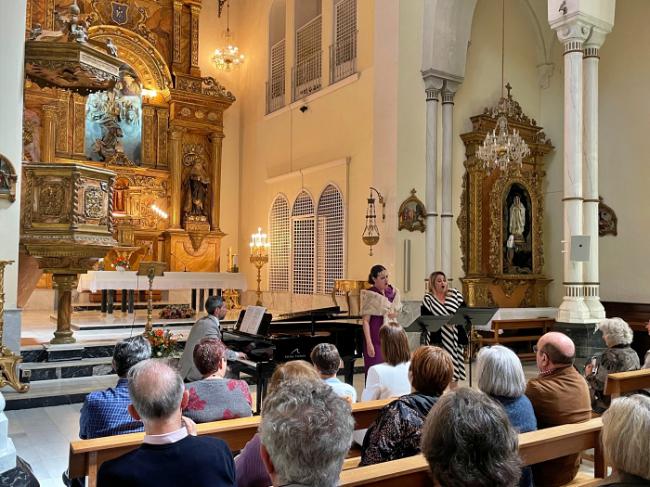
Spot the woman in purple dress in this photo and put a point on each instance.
(379, 304)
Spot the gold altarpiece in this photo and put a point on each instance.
(502, 217)
(179, 157)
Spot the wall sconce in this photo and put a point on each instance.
(371, 232)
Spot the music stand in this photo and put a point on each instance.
(427, 323)
(151, 269)
(467, 317)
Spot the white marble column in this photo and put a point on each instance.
(572, 35)
(433, 86)
(446, 217)
(590, 187)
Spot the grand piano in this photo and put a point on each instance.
(292, 337)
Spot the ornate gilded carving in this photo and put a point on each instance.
(93, 203)
(163, 126)
(196, 185)
(178, 11)
(8, 178)
(203, 86)
(50, 199)
(194, 44)
(501, 218)
(138, 53)
(124, 13)
(148, 134)
(607, 219)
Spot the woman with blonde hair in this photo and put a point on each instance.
(618, 357)
(444, 301)
(249, 468)
(626, 441)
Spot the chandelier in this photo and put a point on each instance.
(502, 147)
(229, 57)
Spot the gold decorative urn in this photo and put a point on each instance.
(66, 224)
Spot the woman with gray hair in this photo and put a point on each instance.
(501, 376)
(618, 357)
(626, 441)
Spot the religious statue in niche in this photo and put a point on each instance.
(412, 214)
(517, 245)
(113, 121)
(197, 184)
(8, 180)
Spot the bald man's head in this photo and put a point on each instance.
(559, 348)
(156, 389)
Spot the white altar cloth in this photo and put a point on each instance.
(94, 281)
(518, 314)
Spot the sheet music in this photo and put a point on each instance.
(252, 319)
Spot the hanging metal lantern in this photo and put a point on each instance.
(371, 232)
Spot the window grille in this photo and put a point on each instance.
(343, 53)
(275, 88)
(307, 72)
(280, 245)
(329, 239)
(302, 234)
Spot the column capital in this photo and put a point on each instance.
(432, 81)
(572, 34)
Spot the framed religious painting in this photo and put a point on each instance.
(412, 214)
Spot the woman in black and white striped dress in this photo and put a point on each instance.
(442, 301)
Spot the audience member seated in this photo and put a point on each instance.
(501, 376)
(559, 395)
(169, 455)
(214, 397)
(468, 440)
(248, 464)
(105, 413)
(626, 441)
(306, 432)
(391, 378)
(396, 432)
(327, 361)
(618, 357)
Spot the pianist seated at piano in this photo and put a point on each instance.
(327, 361)
(206, 327)
(215, 397)
(379, 305)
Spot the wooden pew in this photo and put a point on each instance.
(86, 456)
(623, 382)
(534, 447)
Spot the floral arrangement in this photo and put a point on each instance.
(121, 261)
(176, 311)
(163, 342)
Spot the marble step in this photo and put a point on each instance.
(40, 371)
(137, 305)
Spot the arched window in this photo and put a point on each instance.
(343, 53)
(309, 28)
(302, 237)
(280, 245)
(275, 86)
(329, 237)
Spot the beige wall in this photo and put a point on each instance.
(12, 29)
(378, 122)
(624, 166)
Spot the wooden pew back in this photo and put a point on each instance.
(534, 447)
(623, 382)
(86, 456)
